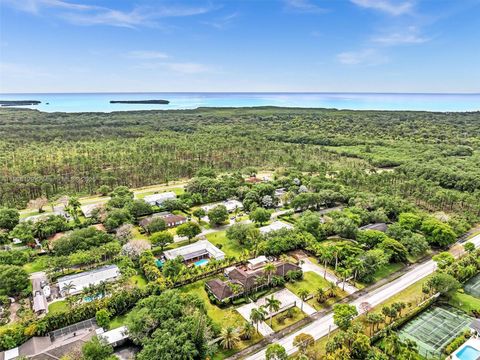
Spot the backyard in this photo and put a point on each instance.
(229, 247)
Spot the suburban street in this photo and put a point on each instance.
(320, 327)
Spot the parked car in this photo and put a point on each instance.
(43, 283)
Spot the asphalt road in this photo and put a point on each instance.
(320, 327)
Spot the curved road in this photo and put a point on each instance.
(320, 327)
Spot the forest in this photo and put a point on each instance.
(429, 158)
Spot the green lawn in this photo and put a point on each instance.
(278, 325)
(58, 306)
(387, 270)
(138, 280)
(117, 321)
(137, 234)
(465, 302)
(312, 281)
(40, 263)
(229, 247)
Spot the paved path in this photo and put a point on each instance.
(308, 265)
(320, 327)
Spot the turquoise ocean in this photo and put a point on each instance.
(100, 102)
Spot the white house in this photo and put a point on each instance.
(202, 249)
(85, 279)
(87, 210)
(231, 205)
(275, 226)
(158, 199)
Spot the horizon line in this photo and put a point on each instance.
(245, 92)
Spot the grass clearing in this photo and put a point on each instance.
(58, 306)
(465, 302)
(138, 280)
(281, 322)
(312, 282)
(229, 247)
(387, 270)
(117, 321)
(39, 264)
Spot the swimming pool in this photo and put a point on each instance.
(91, 298)
(201, 262)
(468, 353)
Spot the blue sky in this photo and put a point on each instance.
(290, 45)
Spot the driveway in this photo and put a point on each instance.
(308, 265)
(320, 327)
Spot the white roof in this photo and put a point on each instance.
(39, 303)
(159, 198)
(11, 354)
(35, 218)
(84, 279)
(258, 260)
(276, 225)
(115, 335)
(231, 205)
(199, 246)
(87, 209)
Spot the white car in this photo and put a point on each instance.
(46, 291)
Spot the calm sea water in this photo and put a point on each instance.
(80, 102)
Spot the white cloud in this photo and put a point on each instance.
(222, 22)
(387, 6)
(303, 6)
(146, 54)
(362, 57)
(410, 35)
(21, 70)
(81, 14)
(187, 67)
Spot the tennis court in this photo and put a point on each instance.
(433, 329)
(472, 286)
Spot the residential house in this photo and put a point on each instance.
(80, 281)
(231, 205)
(170, 219)
(159, 199)
(202, 249)
(246, 278)
(275, 226)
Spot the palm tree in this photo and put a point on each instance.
(335, 250)
(257, 316)
(229, 338)
(332, 288)
(303, 294)
(272, 305)
(68, 287)
(326, 255)
(260, 281)
(248, 330)
(269, 270)
(344, 274)
(320, 295)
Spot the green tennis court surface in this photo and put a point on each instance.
(433, 329)
(472, 286)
